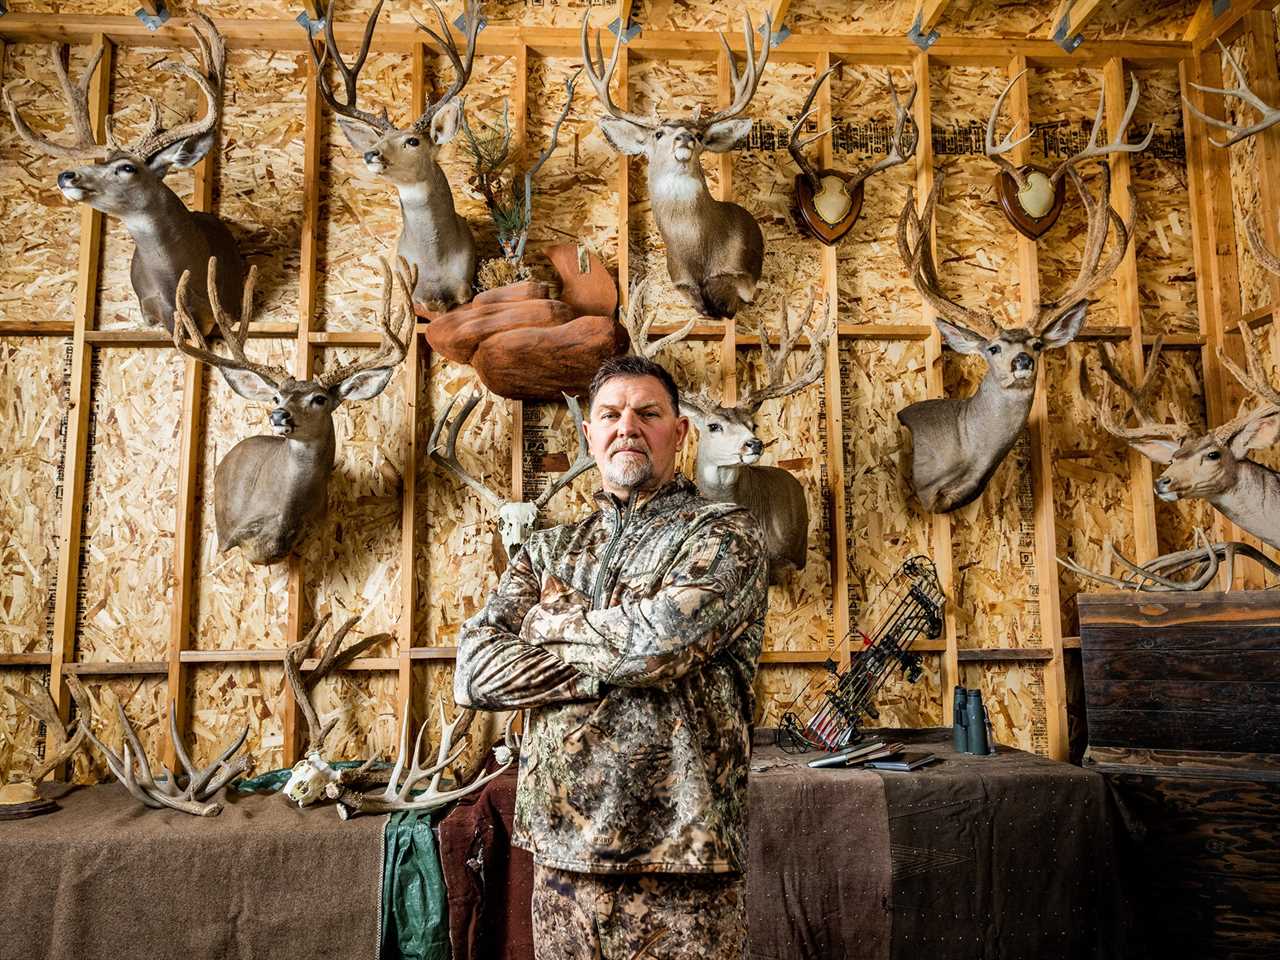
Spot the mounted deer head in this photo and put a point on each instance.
(516, 521)
(727, 467)
(1213, 465)
(1268, 116)
(434, 239)
(510, 206)
(715, 250)
(127, 181)
(958, 444)
(828, 201)
(268, 489)
(1032, 196)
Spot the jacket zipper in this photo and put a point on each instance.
(597, 598)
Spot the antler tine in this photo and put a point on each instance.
(1092, 274)
(1270, 114)
(746, 82)
(794, 144)
(461, 64)
(1102, 406)
(213, 51)
(293, 657)
(1258, 245)
(46, 711)
(901, 149)
(581, 464)
(819, 338)
(349, 74)
(86, 146)
(234, 334)
(1007, 143)
(397, 301)
(1118, 145)
(208, 80)
(600, 74)
(449, 459)
(919, 260)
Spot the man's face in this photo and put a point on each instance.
(634, 434)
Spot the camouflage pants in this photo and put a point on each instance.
(585, 916)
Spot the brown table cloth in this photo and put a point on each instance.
(975, 858)
(105, 877)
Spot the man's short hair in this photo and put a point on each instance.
(630, 365)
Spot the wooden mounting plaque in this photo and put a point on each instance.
(811, 222)
(1032, 227)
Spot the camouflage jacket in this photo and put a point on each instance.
(633, 636)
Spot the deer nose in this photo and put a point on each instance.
(1162, 485)
(1023, 361)
(280, 418)
(66, 178)
(372, 156)
(754, 446)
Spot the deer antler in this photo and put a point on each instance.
(1118, 145)
(776, 360)
(1270, 115)
(1092, 273)
(331, 660)
(1156, 576)
(903, 144)
(638, 328)
(461, 64)
(794, 144)
(914, 248)
(997, 151)
(201, 784)
(189, 340)
(86, 146)
(600, 73)
(399, 794)
(397, 298)
(65, 741)
(449, 459)
(745, 83)
(1149, 428)
(349, 73)
(581, 464)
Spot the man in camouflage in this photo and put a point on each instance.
(633, 638)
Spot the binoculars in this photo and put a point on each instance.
(971, 730)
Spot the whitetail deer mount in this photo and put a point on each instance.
(434, 239)
(828, 201)
(957, 444)
(1031, 196)
(516, 521)
(1268, 116)
(1211, 465)
(127, 181)
(268, 490)
(715, 250)
(727, 468)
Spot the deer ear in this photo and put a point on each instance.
(1157, 451)
(361, 136)
(1063, 330)
(724, 136)
(623, 136)
(250, 385)
(183, 154)
(1259, 432)
(960, 339)
(364, 385)
(693, 413)
(445, 123)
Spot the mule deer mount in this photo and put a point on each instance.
(715, 250)
(1268, 116)
(828, 201)
(268, 490)
(1031, 196)
(1211, 465)
(434, 239)
(127, 181)
(727, 468)
(957, 444)
(313, 777)
(516, 521)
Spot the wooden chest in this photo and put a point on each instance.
(1183, 700)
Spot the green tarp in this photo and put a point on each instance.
(415, 912)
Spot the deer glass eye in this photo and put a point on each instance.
(1213, 455)
(658, 135)
(713, 427)
(1036, 345)
(411, 141)
(126, 168)
(993, 349)
(319, 400)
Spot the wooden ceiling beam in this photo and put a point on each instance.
(1069, 20)
(1205, 28)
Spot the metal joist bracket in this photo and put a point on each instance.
(313, 27)
(624, 34)
(777, 37)
(461, 24)
(1069, 44)
(3, 11)
(154, 21)
(922, 40)
(1220, 7)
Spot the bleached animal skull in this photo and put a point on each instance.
(515, 523)
(308, 779)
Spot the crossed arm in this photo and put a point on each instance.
(538, 641)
